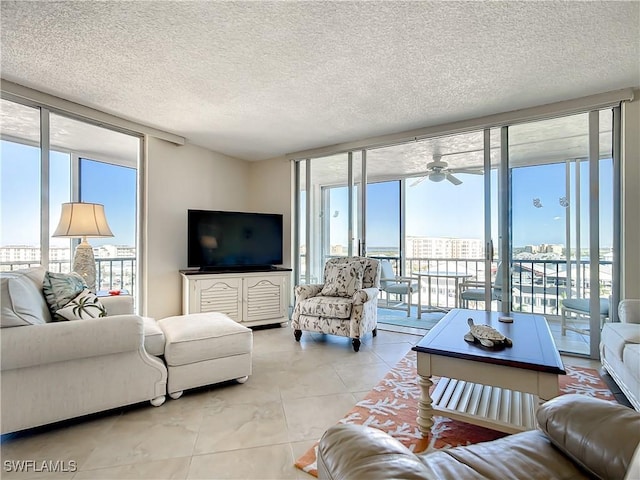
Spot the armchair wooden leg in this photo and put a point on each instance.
(375, 332)
(297, 334)
(356, 344)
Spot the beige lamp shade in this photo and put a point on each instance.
(79, 220)
(83, 220)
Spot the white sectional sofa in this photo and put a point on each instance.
(53, 371)
(620, 350)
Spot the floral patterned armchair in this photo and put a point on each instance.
(346, 304)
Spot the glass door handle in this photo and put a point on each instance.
(490, 250)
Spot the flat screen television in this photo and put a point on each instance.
(219, 240)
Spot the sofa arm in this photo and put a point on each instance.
(598, 435)
(365, 295)
(629, 311)
(355, 451)
(307, 291)
(33, 345)
(118, 304)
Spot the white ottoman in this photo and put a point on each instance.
(205, 348)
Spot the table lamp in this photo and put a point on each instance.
(82, 220)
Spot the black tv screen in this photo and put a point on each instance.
(220, 240)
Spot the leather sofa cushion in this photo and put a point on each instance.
(527, 455)
(598, 435)
(354, 451)
(617, 335)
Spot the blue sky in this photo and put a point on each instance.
(446, 210)
(433, 209)
(20, 195)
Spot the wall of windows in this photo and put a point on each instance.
(519, 195)
(77, 161)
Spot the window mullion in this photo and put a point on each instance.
(44, 187)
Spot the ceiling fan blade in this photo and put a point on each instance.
(418, 181)
(453, 179)
(472, 171)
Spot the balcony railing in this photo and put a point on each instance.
(111, 273)
(538, 286)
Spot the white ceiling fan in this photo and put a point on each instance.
(438, 170)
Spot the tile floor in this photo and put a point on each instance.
(255, 430)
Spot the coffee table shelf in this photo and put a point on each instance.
(493, 407)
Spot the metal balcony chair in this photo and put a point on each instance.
(579, 307)
(391, 284)
(473, 291)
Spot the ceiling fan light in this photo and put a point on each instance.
(437, 176)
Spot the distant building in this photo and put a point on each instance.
(117, 272)
(551, 248)
(444, 247)
(338, 250)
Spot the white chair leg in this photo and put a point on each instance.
(563, 320)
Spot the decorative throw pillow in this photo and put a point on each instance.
(60, 288)
(343, 279)
(84, 306)
(21, 302)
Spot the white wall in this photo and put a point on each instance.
(631, 199)
(179, 178)
(271, 187)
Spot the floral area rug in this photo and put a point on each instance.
(392, 407)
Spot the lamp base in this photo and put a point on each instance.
(84, 263)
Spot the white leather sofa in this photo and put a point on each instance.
(53, 371)
(620, 350)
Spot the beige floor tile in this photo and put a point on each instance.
(264, 463)
(173, 469)
(573, 346)
(242, 426)
(299, 384)
(392, 353)
(150, 434)
(580, 362)
(260, 388)
(300, 448)
(308, 418)
(37, 470)
(66, 442)
(254, 430)
(363, 378)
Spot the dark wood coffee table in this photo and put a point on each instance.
(498, 389)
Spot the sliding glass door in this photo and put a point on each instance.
(562, 224)
(509, 218)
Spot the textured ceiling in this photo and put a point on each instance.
(256, 80)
